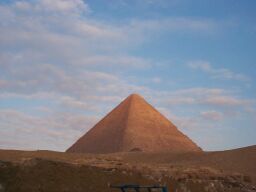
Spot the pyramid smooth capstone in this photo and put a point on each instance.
(134, 125)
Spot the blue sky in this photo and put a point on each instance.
(65, 64)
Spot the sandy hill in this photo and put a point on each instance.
(241, 160)
(134, 125)
(229, 171)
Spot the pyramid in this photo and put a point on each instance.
(134, 125)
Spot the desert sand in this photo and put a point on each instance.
(232, 170)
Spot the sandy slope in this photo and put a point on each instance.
(242, 160)
(232, 170)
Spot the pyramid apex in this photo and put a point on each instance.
(135, 95)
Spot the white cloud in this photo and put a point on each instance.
(23, 5)
(71, 102)
(227, 101)
(119, 61)
(3, 83)
(53, 81)
(56, 6)
(156, 80)
(212, 115)
(64, 5)
(56, 56)
(182, 100)
(49, 38)
(221, 73)
(199, 91)
(148, 28)
(205, 96)
(32, 132)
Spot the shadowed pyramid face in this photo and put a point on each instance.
(134, 125)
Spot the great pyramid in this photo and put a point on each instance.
(134, 125)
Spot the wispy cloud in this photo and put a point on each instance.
(57, 57)
(222, 100)
(217, 73)
(204, 105)
(206, 96)
(176, 24)
(35, 132)
(212, 115)
(156, 80)
(57, 6)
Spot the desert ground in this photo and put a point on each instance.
(231, 170)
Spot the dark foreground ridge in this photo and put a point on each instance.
(46, 171)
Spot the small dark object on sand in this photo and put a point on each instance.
(137, 188)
